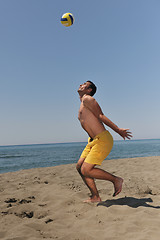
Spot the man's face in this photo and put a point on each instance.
(84, 88)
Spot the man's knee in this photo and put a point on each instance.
(78, 167)
(81, 169)
(79, 164)
(84, 171)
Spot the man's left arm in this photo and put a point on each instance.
(124, 133)
(94, 107)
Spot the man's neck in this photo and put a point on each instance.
(81, 96)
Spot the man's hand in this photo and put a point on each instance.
(124, 133)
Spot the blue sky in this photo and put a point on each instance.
(115, 44)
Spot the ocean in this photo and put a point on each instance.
(15, 158)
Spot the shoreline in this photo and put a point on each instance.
(48, 203)
(115, 159)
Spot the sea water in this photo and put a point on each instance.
(14, 158)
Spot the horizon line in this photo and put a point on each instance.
(50, 143)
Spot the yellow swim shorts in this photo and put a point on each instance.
(98, 149)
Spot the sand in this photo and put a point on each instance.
(47, 203)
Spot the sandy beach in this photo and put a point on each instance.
(47, 203)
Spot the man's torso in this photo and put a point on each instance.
(89, 121)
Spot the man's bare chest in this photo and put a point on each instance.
(80, 113)
(83, 112)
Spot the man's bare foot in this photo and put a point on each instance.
(117, 186)
(92, 200)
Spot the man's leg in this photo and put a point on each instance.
(89, 170)
(89, 182)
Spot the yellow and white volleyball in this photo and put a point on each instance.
(67, 19)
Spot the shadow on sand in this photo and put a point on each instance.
(129, 201)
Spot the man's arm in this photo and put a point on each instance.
(124, 133)
(94, 107)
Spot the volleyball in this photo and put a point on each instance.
(67, 19)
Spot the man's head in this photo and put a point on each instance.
(88, 88)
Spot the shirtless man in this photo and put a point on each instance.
(100, 142)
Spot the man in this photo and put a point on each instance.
(100, 142)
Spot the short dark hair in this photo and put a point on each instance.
(94, 88)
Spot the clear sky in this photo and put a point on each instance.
(114, 43)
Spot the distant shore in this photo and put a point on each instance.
(47, 203)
